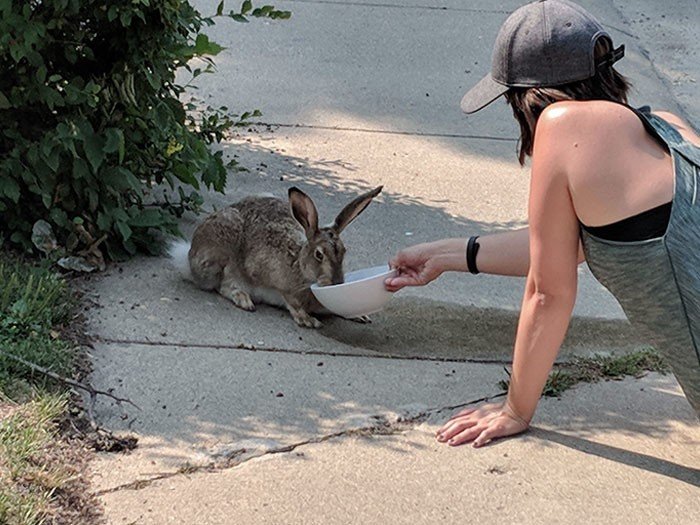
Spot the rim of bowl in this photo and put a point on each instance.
(388, 271)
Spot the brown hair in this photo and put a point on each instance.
(528, 103)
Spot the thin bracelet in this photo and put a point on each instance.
(510, 411)
(472, 250)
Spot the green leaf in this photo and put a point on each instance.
(203, 46)
(93, 198)
(148, 218)
(94, 146)
(9, 188)
(125, 18)
(123, 230)
(53, 159)
(80, 169)
(41, 74)
(59, 217)
(247, 6)
(121, 179)
(4, 103)
(238, 18)
(104, 221)
(115, 142)
(130, 247)
(120, 215)
(220, 8)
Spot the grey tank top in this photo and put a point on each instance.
(657, 281)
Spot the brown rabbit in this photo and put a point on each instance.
(255, 250)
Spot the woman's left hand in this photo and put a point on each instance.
(481, 425)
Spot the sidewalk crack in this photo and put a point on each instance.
(237, 457)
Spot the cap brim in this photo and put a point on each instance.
(481, 95)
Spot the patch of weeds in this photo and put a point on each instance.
(599, 367)
(41, 470)
(35, 307)
(40, 474)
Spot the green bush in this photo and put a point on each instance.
(92, 119)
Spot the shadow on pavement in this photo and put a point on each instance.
(619, 455)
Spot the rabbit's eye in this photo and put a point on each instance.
(319, 255)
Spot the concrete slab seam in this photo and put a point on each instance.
(253, 348)
(398, 6)
(240, 456)
(382, 131)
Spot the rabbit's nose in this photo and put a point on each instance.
(338, 278)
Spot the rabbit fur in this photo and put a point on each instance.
(265, 249)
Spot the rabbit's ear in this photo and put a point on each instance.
(304, 211)
(352, 210)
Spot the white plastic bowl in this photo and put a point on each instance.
(362, 293)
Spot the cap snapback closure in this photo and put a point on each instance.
(610, 58)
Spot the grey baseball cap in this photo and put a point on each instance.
(544, 43)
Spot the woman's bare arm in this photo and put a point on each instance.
(506, 253)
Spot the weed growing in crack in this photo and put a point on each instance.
(596, 368)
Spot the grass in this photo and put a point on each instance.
(40, 472)
(35, 306)
(29, 474)
(599, 367)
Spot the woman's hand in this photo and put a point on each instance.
(481, 425)
(423, 263)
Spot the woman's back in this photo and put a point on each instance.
(615, 167)
(656, 279)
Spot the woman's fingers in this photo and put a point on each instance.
(465, 435)
(400, 259)
(454, 427)
(494, 430)
(456, 418)
(405, 277)
(396, 283)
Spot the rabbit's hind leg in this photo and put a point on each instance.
(230, 289)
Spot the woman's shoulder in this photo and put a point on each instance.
(588, 127)
(583, 114)
(605, 119)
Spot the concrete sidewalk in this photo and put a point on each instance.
(246, 418)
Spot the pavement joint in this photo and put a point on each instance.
(383, 131)
(239, 456)
(435, 8)
(399, 6)
(253, 348)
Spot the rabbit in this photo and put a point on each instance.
(263, 249)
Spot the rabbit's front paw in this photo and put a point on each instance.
(238, 297)
(304, 320)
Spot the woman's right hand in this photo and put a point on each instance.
(417, 265)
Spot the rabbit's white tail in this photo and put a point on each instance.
(178, 251)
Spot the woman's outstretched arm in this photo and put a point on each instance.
(506, 253)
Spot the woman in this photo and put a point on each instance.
(611, 185)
